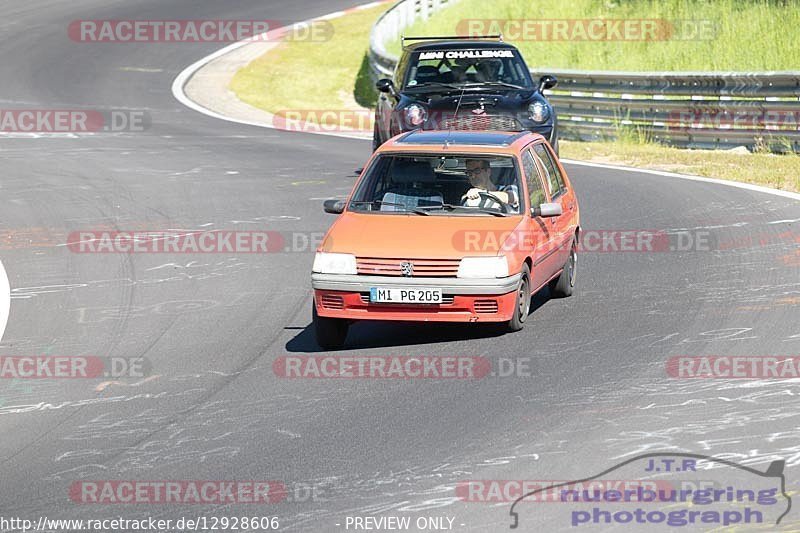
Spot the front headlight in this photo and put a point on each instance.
(416, 115)
(539, 112)
(483, 267)
(330, 263)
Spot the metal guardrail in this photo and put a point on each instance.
(684, 109)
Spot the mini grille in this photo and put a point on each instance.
(482, 122)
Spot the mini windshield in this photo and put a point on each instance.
(442, 184)
(463, 67)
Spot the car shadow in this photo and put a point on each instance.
(384, 334)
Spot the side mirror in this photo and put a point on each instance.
(333, 206)
(547, 210)
(385, 85)
(547, 82)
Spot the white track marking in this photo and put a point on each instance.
(5, 299)
(738, 185)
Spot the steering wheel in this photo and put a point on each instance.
(487, 195)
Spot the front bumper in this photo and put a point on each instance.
(466, 300)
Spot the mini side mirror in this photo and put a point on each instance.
(547, 210)
(547, 82)
(333, 206)
(385, 85)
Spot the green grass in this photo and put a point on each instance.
(314, 75)
(769, 170)
(756, 35)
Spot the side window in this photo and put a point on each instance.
(535, 189)
(400, 72)
(559, 178)
(553, 176)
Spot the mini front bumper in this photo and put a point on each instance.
(466, 300)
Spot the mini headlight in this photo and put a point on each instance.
(483, 267)
(539, 112)
(330, 263)
(416, 115)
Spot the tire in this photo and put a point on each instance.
(330, 332)
(563, 285)
(522, 305)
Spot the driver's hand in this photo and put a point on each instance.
(473, 194)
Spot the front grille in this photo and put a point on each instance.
(486, 307)
(332, 301)
(446, 299)
(482, 122)
(421, 268)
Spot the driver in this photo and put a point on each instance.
(489, 69)
(479, 173)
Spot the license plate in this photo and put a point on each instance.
(405, 296)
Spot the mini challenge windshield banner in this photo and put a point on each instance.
(677, 490)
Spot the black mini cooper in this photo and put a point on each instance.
(462, 83)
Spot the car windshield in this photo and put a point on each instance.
(456, 185)
(459, 68)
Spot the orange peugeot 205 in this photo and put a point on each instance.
(458, 226)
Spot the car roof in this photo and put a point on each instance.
(425, 140)
(458, 44)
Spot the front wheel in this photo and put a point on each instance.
(522, 305)
(563, 285)
(330, 332)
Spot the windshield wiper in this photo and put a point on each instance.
(381, 202)
(500, 83)
(432, 84)
(444, 207)
(406, 208)
(451, 207)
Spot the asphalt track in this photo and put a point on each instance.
(212, 325)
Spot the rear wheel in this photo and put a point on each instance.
(563, 285)
(522, 305)
(330, 332)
